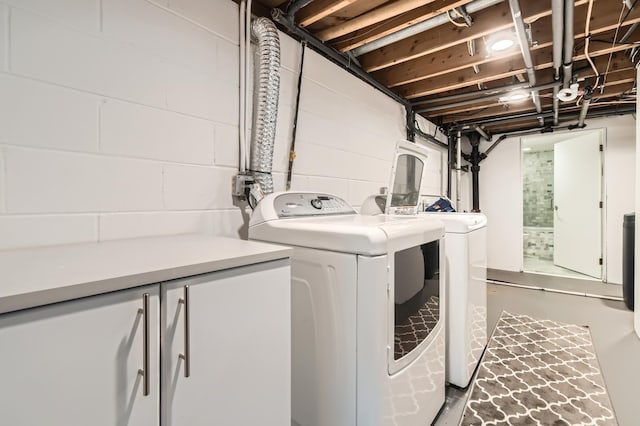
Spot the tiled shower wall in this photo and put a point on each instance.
(538, 188)
(119, 119)
(538, 242)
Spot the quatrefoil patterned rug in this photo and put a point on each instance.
(538, 372)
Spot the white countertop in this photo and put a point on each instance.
(40, 276)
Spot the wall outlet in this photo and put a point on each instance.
(241, 185)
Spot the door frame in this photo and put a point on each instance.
(553, 139)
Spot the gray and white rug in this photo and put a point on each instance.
(538, 372)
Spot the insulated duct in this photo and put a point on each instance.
(265, 104)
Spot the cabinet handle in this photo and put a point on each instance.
(186, 356)
(144, 372)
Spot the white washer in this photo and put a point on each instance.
(466, 292)
(368, 309)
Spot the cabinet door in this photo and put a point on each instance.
(239, 352)
(76, 363)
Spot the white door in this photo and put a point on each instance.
(76, 363)
(577, 219)
(237, 346)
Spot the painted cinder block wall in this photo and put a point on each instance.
(119, 119)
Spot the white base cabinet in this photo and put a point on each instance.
(239, 351)
(78, 363)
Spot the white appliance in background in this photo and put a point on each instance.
(466, 259)
(466, 292)
(368, 308)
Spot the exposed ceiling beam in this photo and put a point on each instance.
(494, 110)
(475, 103)
(491, 71)
(400, 22)
(619, 61)
(487, 21)
(621, 69)
(320, 9)
(373, 17)
(440, 63)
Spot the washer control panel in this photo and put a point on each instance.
(298, 204)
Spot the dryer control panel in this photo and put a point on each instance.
(297, 204)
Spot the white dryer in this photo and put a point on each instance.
(368, 309)
(466, 259)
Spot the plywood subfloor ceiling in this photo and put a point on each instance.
(434, 53)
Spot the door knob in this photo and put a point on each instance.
(555, 208)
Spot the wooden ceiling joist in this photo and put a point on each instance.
(491, 71)
(440, 63)
(370, 18)
(613, 90)
(487, 21)
(319, 10)
(400, 22)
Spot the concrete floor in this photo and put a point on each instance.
(611, 325)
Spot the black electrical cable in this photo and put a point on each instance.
(292, 151)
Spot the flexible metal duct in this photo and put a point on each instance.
(265, 104)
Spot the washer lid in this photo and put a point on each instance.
(459, 223)
(335, 229)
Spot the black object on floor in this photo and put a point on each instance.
(628, 248)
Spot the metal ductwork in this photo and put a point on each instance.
(265, 105)
(420, 27)
(521, 33)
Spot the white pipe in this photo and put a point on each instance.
(420, 27)
(241, 123)
(247, 64)
(458, 169)
(521, 33)
(567, 61)
(557, 19)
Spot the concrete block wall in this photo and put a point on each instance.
(119, 118)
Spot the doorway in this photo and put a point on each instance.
(562, 178)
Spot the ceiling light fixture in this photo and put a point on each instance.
(500, 45)
(500, 42)
(515, 96)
